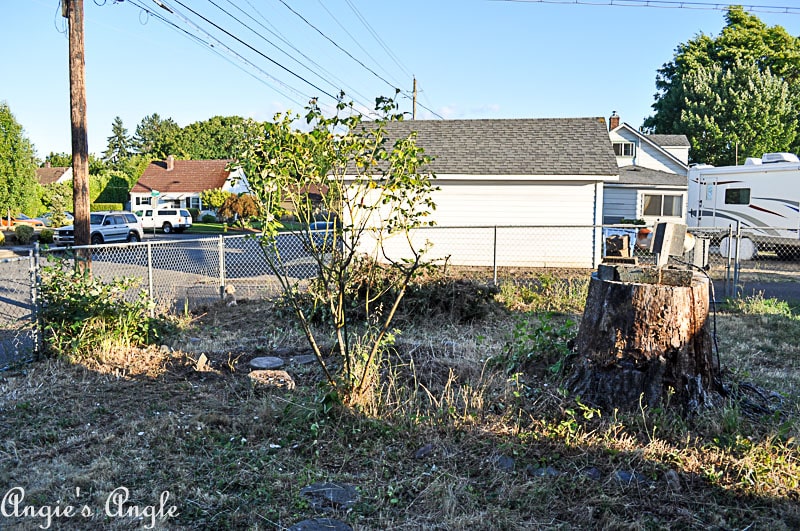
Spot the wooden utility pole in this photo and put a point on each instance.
(414, 106)
(80, 144)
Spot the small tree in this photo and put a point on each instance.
(214, 198)
(241, 207)
(372, 189)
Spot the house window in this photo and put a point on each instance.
(624, 149)
(663, 205)
(142, 200)
(737, 196)
(193, 202)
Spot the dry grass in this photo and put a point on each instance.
(448, 441)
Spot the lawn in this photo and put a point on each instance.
(470, 429)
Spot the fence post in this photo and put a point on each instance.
(728, 263)
(221, 249)
(150, 290)
(34, 264)
(494, 257)
(736, 260)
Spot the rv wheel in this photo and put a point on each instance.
(747, 249)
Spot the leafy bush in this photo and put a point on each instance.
(97, 207)
(195, 212)
(46, 236)
(23, 234)
(2, 238)
(208, 218)
(81, 315)
(541, 341)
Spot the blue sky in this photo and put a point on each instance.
(471, 58)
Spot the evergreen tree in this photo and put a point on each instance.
(119, 144)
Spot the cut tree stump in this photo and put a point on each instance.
(644, 336)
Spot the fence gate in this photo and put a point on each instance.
(18, 330)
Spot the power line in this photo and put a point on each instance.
(377, 37)
(259, 52)
(665, 4)
(276, 33)
(337, 45)
(221, 45)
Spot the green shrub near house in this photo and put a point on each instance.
(46, 236)
(23, 234)
(96, 207)
(2, 238)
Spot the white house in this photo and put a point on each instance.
(652, 183)
(178, 183)
(505, 184)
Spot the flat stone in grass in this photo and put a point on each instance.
(320, 524)
(266, 363)
(330, 496)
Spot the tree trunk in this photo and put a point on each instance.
(645, 343)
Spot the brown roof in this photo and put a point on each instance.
(50, 174)
(186, 176)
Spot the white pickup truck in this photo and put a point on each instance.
(167, 219)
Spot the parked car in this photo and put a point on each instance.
(21, 219)
(105, 227)
(47, 219)
(166, 219)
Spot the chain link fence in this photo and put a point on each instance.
(18, 330)
(185, 274)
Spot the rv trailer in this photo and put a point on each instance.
(762, 196)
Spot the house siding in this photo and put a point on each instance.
(619, 203)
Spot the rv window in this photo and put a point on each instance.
(624, 149)
(662, 205)
(737, 196)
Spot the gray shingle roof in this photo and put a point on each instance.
(646, 176)
(670, 140)
(537, 146)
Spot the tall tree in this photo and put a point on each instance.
(744, 40)
(157, 137)
(119, 144)
(738, 112)
(215, 138)
(18, 185)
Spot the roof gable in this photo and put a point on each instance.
(186, 176)
(658, 142)
(51, 174)
(531, 146)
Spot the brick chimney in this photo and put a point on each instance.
(170, 163)
(613, 121)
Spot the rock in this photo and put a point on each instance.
(303, 359)
(673, 480)
(541, 472)
(592, 473)
(423, 452)
(320, 524)
(202, 363)
(266, 363)
(330, 496)
(505, 463)
(629, 478)
(272, 379)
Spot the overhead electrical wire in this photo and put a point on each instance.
(344, 28)
(217, 51)
(277, 34)
(255, 50)
(377, 37)
(667, 4)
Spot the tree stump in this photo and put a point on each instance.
(644, 336)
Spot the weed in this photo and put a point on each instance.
(537, 339)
